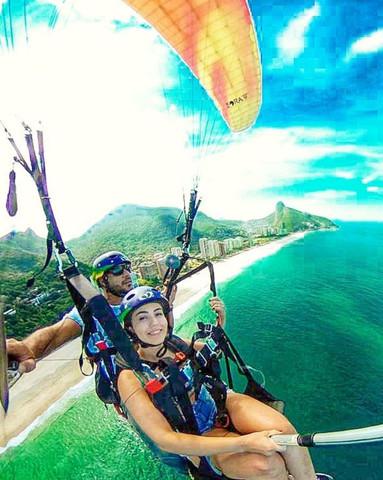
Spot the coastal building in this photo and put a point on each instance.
(213, 249)
(262, 231)
(229, 245)
(238, 242)
(222, 249)
(39, 298)
(148, 270)
(203, 247)
(219, 248)
(161, 267)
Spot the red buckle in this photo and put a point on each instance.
(154, 385)
(101, 345)
(179, 357)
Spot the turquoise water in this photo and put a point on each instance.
(310, 317)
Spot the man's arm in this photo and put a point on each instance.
(41, 342)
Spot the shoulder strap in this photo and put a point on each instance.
(177, 344)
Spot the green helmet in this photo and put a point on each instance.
(107, 261)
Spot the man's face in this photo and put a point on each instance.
(119, 279)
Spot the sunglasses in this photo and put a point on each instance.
(118, 270)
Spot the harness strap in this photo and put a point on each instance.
(106, 358)
(176, 383)
(207, 372)
(48, 257)
(169, 394)
(253, 388)
(223, 345)
(93, 306)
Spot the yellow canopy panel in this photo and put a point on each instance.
(217, 40)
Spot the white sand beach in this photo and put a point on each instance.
(35, 392)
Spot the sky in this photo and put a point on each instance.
(120, 126)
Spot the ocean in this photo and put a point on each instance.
(308, 319)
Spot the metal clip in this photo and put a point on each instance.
(58, 260)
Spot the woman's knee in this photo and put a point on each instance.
(240, 405)
(286, 427)
(272, 467)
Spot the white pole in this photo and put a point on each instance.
(345, 437)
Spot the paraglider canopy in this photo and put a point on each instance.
(218, 42)
(175, 83)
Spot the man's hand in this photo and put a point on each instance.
(41, 342)
(172, 296)
(217, 305)
(18, 351)
(173, 293)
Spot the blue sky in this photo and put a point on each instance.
(119, 111)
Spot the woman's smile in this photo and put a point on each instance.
(149, 322)
(155, 332)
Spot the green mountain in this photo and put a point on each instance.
(27, 241)
(22, 254)
(291, 220)
(139, 231)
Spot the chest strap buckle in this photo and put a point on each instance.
(155, 385)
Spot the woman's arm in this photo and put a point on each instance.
(217, 305)
(155, 425)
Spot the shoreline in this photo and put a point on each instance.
(57, 378)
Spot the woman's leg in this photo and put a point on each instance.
(248, 466)
(249, 415)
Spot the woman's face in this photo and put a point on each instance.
(150, 324)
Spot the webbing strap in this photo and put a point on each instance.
(253, 388)
(93, 306)
(48, 257)
(173, 400)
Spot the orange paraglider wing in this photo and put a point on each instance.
(217, 40)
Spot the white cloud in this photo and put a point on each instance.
(292, 41)
(375, 168)
(90, 10)
(375, 189)
(236, 179)
(112, 139)
(344, 209)
(96, 163)
(330, 194)
(346, 174)
(371, 43)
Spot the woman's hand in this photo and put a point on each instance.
(260, 442)
(217, 305)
